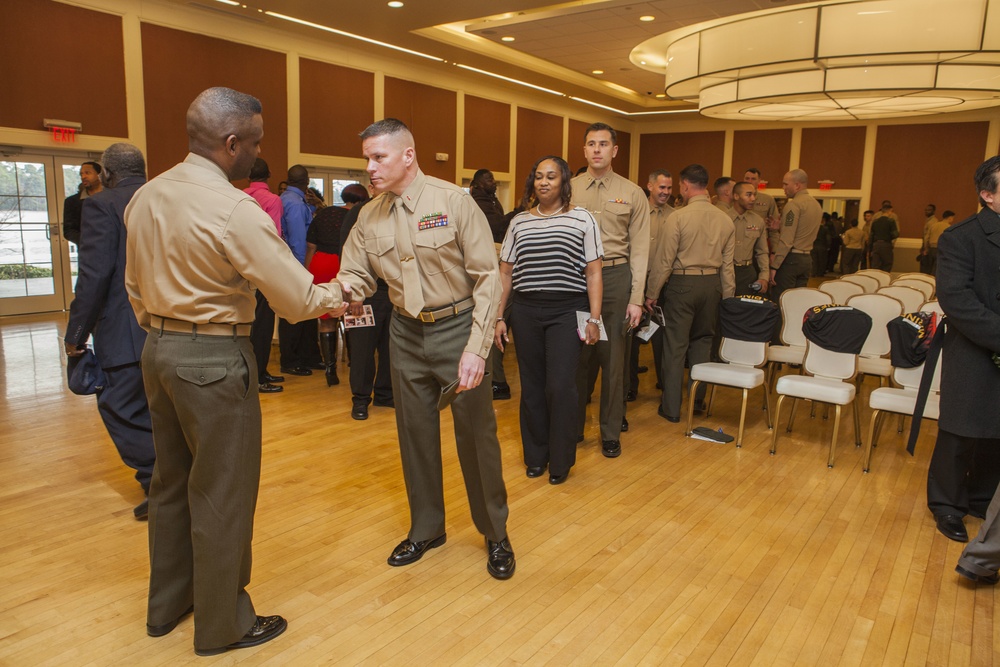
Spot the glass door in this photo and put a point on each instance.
(35, 267)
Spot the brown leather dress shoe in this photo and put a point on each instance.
(264, 629)
(166, 628)
(407, 552)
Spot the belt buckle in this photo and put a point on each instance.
(426, 317)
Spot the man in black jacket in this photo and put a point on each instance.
(102, 308)
(965, 467)
(90, 184)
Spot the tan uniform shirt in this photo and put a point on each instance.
(657, 217)
(800, 223)
(934, 232)
(622, 212)
(699, 236)
(724, 207)
(751, 241)
(854, 238)
(765, 207)
(433, 247)
(197, 245)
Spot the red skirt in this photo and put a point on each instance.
(324, 267)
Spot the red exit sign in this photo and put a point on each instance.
(65, 135)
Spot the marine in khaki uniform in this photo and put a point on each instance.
(791, 261)
(691, 270)
(750, 258)
(622, 213)
(430, 242)
(723, 187)
(764, 206)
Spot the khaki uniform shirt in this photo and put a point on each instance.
(934, 232)
(854, 238)
(433, 247)
(800, 223)
(764, 206)
(699, 236)
(622, 212)
(724, 207)
(657, 217)
(751, 241)
(197, 246)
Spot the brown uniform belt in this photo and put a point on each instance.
(696, 272)
(614, 261)
(437, 314)
(800, 252)
(748, 263)
(208, 329)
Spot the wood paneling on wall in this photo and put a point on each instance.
(767, 150)
(335, 105)
(833, 153)
(487, 134)
(538, 134)
(675, 150)
(62, 62)
(574, 145)
(624, 157)
(178, 65)
(916, 165)
(432, 116)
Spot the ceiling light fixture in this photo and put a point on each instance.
(836, 60)
(325, 28)
(395, 4)
(647, 18)
(231, 3)
(598, 71)
(508, 38)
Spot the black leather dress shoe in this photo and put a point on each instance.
(166, 628)
(559, 479)
(407, 552)
(642, 369)
(990, 580)
(314, 366)
(579, 438)
(268, 388)
(631, 395)
(611, 448)
(263, 630)
(298, 370)
(952, 527)
(141, 511)
(500, 559)
(501, 391)
(359, 412)
(272, 378)
(624, 425)
(672, 420)
(535, 471)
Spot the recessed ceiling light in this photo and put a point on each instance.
(508, 38)
(598, 71)
(642, 62)
(647, 18)
(661, 95)
(395, 4)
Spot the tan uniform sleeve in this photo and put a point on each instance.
(761, 254)
(786, 233)
(727, 271)
(662, 261)
(638, 256)
(476, 241)
(355, 267)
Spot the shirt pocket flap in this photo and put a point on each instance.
(435, 239)
(382, 244)
(201, 375)
(618, 208)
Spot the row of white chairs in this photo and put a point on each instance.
(831, 375)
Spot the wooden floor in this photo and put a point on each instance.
(678, 552)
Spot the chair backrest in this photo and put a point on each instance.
(824, 363)
(910, 298)
(918, 276)
(932, 307)
(742, 352)
(794, 304)
(841, 290)
(922, 286)
(869, 283)
(881, 276)
(909, 378)
(881, 308)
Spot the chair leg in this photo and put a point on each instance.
(694, 389)
(743, 419)
(767, 408)
(878, 428)
(902, 422)
(812, 410)
(774, 432)
(711, 401)
(871, 440)
(826, 411)
(836, 432)
(857, 424)
(791, 416)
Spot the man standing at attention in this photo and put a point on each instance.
(791, 260)
(196, 247)
(101, 308)
(690, 271)
(429, 241)
(750, 257)
(622, 212)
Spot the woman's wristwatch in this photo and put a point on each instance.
(594, 320)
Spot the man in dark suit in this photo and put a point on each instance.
(102, 308)
(965, 467)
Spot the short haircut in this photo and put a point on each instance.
(753, 170)
(853, 222)
(657, 173)
(218, 113)
(355, 193)
(259, 171)
(886, 203)
(695, 174)
(96, 166)
(298, 175)
(123, 160)
(986, 176)
(799, 176)
(869, 211)
(565, 187)
(601, 127)
(384, 127)
(740, 187)
(721, 181)
(948, 214)
(480, 173)
(932, 207)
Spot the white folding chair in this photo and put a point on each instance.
(841, 290)
(794, 303)
(922, 286)
(874, 357)
(902, 400)
(883, 277)
(927, 278)
(910, 298)
(869, 283)
(741, 370)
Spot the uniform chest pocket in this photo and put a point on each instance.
(383, 256)
(437, 250)
(618, 211)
